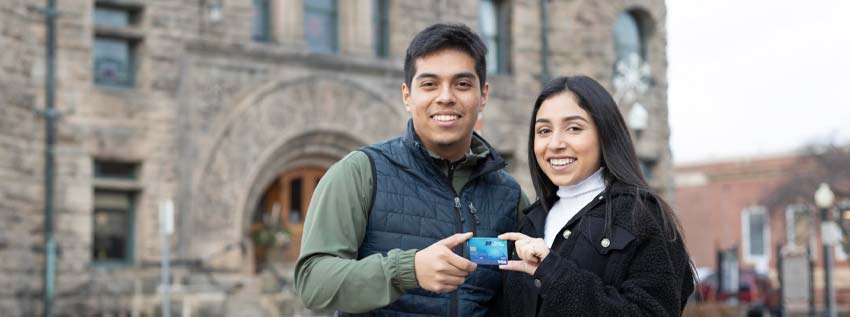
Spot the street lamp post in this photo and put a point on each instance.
(824, 199)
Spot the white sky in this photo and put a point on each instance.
(756, 77)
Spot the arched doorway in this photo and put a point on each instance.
(274, 128)
(278, 222)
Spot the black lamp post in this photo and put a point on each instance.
(824, 199)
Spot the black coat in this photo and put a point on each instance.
(635, 272)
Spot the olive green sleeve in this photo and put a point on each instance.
(328, 274)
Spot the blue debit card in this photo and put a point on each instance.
(488, 251)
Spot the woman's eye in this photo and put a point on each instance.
(543, 131)
(574, 129)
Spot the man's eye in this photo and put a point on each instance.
(465, 84)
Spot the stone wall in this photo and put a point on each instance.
(214, 116)
(21, 159)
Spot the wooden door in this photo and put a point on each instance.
(296, 190)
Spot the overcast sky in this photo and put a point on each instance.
(756, 77)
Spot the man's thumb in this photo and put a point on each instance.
(455, 240)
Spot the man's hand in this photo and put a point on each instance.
(440, 270)
(532, 251)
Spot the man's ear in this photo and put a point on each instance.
(405, 96)
(484, 93)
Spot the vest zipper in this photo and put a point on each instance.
(454, 300)
(474, 213)
(459, 212)
(457, 206)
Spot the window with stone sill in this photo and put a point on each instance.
(116, 169)
(112, 17)
(113, 214)
(493, 24)
(628, 38)
(113, 52)
(632, 73)
(261, 23)
(381, 27)
(114, 61)
(755, 233)
(320, 25)
(113, 227)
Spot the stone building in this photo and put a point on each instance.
(234, 108)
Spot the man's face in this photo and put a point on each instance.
(444, 99)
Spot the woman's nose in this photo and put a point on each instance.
(557, 142)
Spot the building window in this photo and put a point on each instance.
(111, 17)
(114, 45)
(632, 74)
(113, 215)
(381, 27)
(261, 26)
(844, 222)
(116, 170)
(113, 61)
(320, 25)
(628, 39)
(756, 237)
(798, 225)
(113, 226)
(494, 30)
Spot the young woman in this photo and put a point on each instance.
(599, 241)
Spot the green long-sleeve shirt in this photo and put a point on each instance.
(328, 274)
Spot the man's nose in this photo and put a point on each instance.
(447, 96)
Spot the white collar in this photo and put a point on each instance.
(589, 184)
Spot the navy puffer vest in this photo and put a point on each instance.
(414, 205)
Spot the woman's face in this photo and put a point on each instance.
(566, 142)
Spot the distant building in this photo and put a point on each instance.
(733, 205)
(235, 108)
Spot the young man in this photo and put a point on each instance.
(386, 225)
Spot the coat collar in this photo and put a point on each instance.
(536, 214)
(490, 161)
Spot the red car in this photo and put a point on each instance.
(754, 289)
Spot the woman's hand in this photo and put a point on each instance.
(532, 251)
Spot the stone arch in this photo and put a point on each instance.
(645, 20)
(280, 125)
(315, 148)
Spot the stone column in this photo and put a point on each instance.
(288, 22)
(355, 27)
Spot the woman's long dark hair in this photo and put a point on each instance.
(618, 151)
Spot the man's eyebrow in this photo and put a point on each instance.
(426, 75)
(465, 75)
(570, 118)
(456, 76)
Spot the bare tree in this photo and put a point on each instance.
(819, 163)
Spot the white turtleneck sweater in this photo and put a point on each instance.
(572, 199)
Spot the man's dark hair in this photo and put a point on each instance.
(441, 36)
